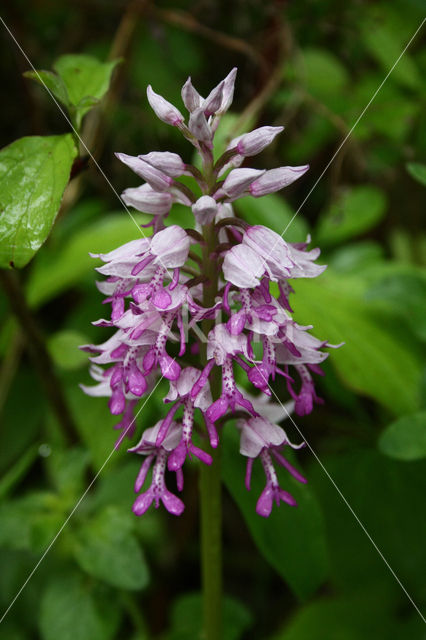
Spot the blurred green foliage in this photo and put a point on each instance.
(305, 573)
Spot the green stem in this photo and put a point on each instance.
(211, 547)
(210, 476)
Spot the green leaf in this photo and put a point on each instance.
(55, 272)
(30, 522)
(86, 79)
(34, 172)
(72, 610)
(417, 171)
(408, 289)
(187, 616)
(18, 470)
(64, 349)
(375, 352)
(405, 439)
(273, 212)
(292, 539)
(53, 82)
(107, 549)
(387, 496)
(391, 115)
(354, 258)
(340, 619)
(67, 468)
(355, 211)
(385, 44)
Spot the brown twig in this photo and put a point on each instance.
(186, 21)
(274, 79)
(37, 348)
(10, 365)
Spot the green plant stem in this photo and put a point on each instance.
(211, 547)
(210, 476)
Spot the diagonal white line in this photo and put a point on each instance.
(339, 491)
(79, 138)
(160, 379)
(40, 79)
(345, 139)
(52, 542)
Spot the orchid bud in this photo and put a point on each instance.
(276, 179)
(164, 109)
(190, 96)
(199, 127)
(214, 100)
(228, 91)
(254, 142)
(147, 200)
(156, 178)
(239, 181)
(169, 163)
(205, 210)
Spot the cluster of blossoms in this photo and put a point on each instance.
(166, 289)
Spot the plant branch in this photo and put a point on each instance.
(37, 348)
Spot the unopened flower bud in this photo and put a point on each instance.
(164, 109)
(145, 199)
(254, 142)
(228, 91)
(276, 179)
(213, 101)
(156, 178)
(199, 127)
(169, 163)
(239, 181)
(205, 210)
(190, 96)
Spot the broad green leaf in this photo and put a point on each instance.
(53, 82)
(375, 353)
(71, 609)
(55, 272)
(417, 171)
(114, 489)
(341, 619)
(387, 496)
(67, 469)
(323, 72)
(405, 439)
(408, 289)
(391, 114)
(107, 549)
(355, 258)
(292, 539)
(30, 522)
(34, 172)
(273, 211)
(355, 211)
(86, 79)
(64, 349)
(385, 44)
(94, 423)
(187, 616)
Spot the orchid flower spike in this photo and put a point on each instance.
(221, 282)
